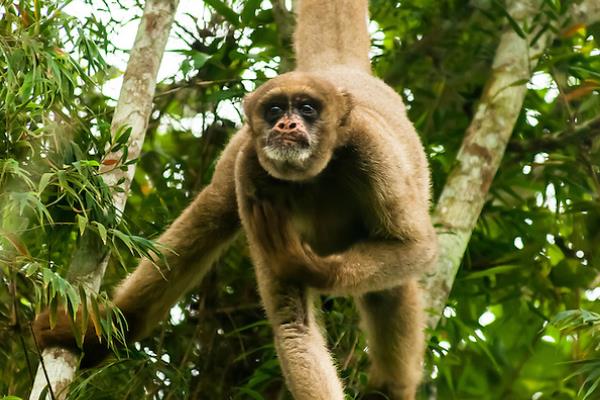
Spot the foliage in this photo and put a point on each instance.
(55, 133)
(510, 329)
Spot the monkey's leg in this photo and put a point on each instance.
(305, 361)
(394, 322)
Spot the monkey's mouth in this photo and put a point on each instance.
(292, 149)
(294, 140)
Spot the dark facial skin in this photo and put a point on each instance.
(296, 121)
(291, 122)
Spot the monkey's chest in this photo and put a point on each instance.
(327, 217)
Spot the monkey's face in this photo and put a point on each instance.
(296, 122)
(291, 136)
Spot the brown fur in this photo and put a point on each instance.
(352, 218)
(332, 33)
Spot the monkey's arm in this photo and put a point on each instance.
(194, 240)
(402, 244)
(368, 265)
(373, 264)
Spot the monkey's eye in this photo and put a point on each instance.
(274, 112)
(308, 110)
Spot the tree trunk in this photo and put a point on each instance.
(58, 366)
(485, 141)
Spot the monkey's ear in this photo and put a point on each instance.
(347, 102)
(248, 105)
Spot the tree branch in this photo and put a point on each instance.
(481, 152)
(588, 130)
(133, 110)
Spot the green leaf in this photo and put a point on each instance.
(122, 136)
(200, 59)
(72, 296)
(492, 271)
(101, 231)
(555, 254)
(32, 269)
(586, 71)
(124, 238)
(514, 24)
(223, 9)
(82, 222)
(95, 315)
(44, 180)
(251, 393)
(249, 10)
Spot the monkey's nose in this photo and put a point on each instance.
(286, 125)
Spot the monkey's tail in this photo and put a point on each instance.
(332, 32)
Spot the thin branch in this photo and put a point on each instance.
(16, 321)
(42, 366)
(588, 130)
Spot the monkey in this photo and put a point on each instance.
(330, 183)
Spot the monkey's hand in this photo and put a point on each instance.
(290, 258)
(62, 336)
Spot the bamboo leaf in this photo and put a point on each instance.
(514, 24)
(82, 222)
(101, 231)
(223, 9)
(44, 180)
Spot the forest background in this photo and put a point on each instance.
(509, 86)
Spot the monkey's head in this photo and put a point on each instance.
(296, 121)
